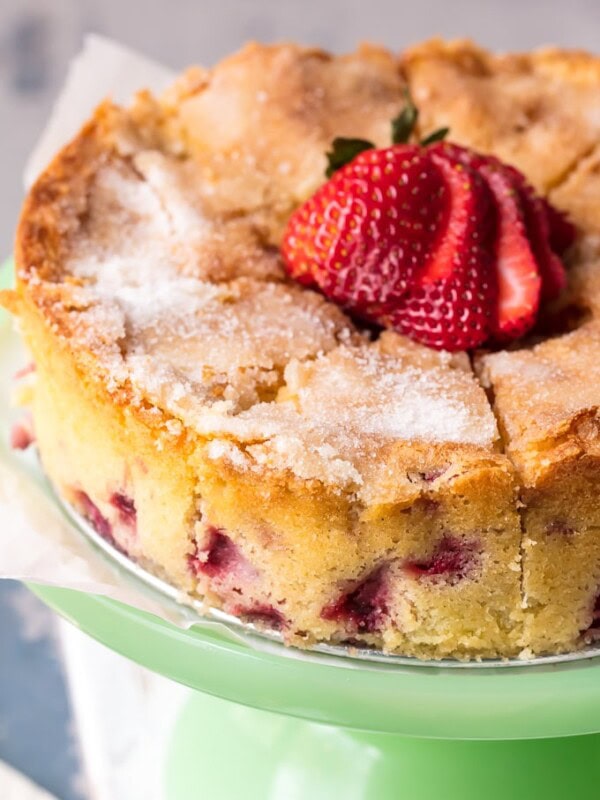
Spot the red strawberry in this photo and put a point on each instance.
(562, 230)
(538, 216)
(552, 271)
(519, 281)
(517, 270)
(537, 213)
(451, 303)
(445, 245)
(364, 234)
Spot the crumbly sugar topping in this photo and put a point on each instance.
(185, 341)
(264, 118)
(384, 395)
(193, 313)
(153, 202)
(547, 386)
(333, 414)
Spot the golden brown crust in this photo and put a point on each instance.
(578, 193)
(51, 208)
(521, 107)
(333, 95)
(544, 394)
(43, 293)
(261, 121)
(342, 90)
(62, 208)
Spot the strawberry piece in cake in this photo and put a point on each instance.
(90, 511)
(22, 434)
(364, 607)
(451, 561)
(126, 507)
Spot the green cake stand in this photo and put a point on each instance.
(284, 727)
(270, 723)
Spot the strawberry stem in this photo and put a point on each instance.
(343, 151)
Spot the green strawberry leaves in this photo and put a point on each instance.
(343, 151)
(435, 136)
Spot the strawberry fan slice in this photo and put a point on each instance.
(450, 247)
(451, 303)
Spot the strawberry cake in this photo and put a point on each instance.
(316, 339)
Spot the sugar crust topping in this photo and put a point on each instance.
(188, 305)
(273, 371)
(548, 387)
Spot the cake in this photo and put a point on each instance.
(258, 445)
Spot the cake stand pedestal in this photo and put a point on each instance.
(241, 752)
(281, 725)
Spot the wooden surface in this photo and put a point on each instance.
(38, 37)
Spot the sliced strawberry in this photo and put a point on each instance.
(450, 247)
(451, 303)
(518, 274)
(552, 271)
(538, 213)
(365, 233)
(519, 281)
(562, 231)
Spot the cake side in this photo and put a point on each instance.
(522, 107)
(547, 400)
(128, 476)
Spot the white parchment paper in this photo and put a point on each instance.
(102, 69)
(17, 787)
(37, 542)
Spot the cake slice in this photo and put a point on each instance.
(547, 401)
(374, 480)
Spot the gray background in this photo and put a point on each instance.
(37, 39)
(37, 734)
